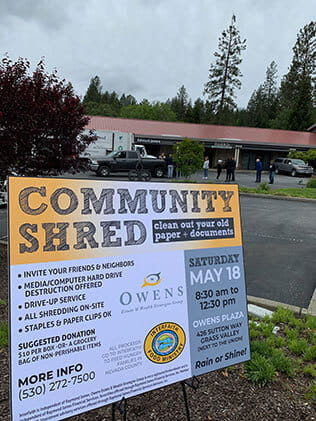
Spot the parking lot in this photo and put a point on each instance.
(243, 178)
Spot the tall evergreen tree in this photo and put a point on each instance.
(179, 104)
(224, 75)
(297, 93)
(270, 84)
(256, 108)
(262, 105)
(198, 111)
(94, 91)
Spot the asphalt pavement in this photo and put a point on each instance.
(279, 241)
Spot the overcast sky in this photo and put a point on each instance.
(149, 48)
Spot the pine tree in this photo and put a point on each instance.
(94, 91)
(297, 93)
(263, 103)
(256, 108)
(179, 104)
(224, 75)
(198, 111)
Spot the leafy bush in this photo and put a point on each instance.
(279, 341)
(310, 370)
(297, 323)
(291, 334)
(311, 394)
(311, 337)
(261, 347)
(264, 187)
(298, 346)
(310, 353)
(282, 315)
(281, 363)
(310, 321)
(259, 370)
(188, 156)
(266, 328)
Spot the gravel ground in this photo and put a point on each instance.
(220, 396)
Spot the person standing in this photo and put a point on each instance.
(233, 164)
(271, 172)
(228, 166)
(258, 170)
(170, 165)
(219, 168)
(206, 166)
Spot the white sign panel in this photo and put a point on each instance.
(117, 289)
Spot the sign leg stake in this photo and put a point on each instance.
(121, 406)
(194, 384)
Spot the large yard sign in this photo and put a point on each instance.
(119, 288)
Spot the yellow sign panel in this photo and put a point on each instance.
(54, 219)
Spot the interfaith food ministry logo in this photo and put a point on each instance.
(164, 342)
(152, 280)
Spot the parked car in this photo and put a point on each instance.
(293, 166)
(124, 161)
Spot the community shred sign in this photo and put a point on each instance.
(120, 288)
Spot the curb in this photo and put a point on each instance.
(275, 197)
(312, 305)
(273, 305)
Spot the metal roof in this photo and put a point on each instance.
(203, 131)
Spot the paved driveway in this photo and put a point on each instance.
(279, 239)
(247, 179)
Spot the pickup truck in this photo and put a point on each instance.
(124, 161)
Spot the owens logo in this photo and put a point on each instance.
(152, 280)
(164, 343)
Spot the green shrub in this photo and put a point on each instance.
(310, 370)
(4, 334)
(311, 394)
(298, 346)
(254, 331)
(261, 347)
(270, 341)
(310, 353)
(310, 322)
(291, 334)
(279, 341)
(297, 323)
(281, 363)
(266, 328)
(311, 184)
(2, 303)
(282, 315)
(264, 187)
(311, 337)
(259, 370)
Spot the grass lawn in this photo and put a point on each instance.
(264, 188)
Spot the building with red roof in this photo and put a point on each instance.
(245, 144)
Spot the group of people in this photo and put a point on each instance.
(229, 165)
(259, 168)
(169, 162)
